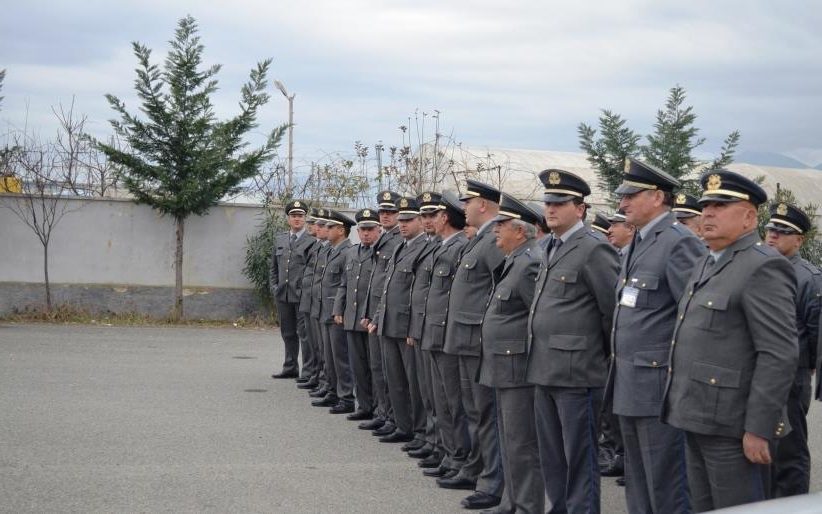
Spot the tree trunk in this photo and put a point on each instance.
(177, 312)
(46, 277)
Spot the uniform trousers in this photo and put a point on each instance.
(656, 481)
(524, 492)
(289, 324)
(720, 475)
(791, 469)
(358, 354)
(567, 421)
(319, 349)
(379, 386)
(452, 422)
(403, 388)
(479, 401)
(337, 368)
(423, 364)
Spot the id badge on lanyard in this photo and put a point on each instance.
(629, 295)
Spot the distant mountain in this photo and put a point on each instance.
(818, 166)
(776, 160)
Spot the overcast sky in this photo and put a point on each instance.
(515, 74)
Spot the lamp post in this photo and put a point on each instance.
(279, 85)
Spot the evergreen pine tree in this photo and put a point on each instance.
(607, 152)
(179, 158)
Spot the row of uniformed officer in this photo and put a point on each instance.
(496, 350)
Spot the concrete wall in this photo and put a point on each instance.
(114, 255)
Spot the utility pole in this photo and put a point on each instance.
(378, 147)
(279, 85)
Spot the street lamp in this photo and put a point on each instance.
(279, 85)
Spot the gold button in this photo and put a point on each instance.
(562, 278)
(681, 316)
(781, 424)
(643, 284)
(670, 370)
(691, 292)
(654, 363)
(710, 303)
(507, 351)
(712, 381)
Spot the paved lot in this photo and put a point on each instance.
(112, 419)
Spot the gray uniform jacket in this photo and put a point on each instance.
(288, 266)
(333, 278)
(808, 291)
(659, 267)
(570, 324)
(504, 356)
(352, 296)
(308, 277)
(383, 250)
(470, 290)
(393, 316)
(444, 262)
(734, 351)
(317, 279)
(422, 284)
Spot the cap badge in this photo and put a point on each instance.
(403, 203)
(366, 213)
(681, 199)
(627, 166)
(554, 178)
(386, 196)
(321, 212)
(782, 209)
(714, 182)
(426, 197)
(297, 204)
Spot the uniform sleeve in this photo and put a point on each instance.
(684, 255)
(339, 300)
(274, 271)
(769, 306)
(600, 273)
(528, 279)
(808, 307)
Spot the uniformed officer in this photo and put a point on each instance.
(734, 350)
(652, 279)
(340, 394)
(611, 448)
(305, 304)
(569, 334)
(392, 321)
(504, 355)
(688, 212)
(451, 420)
(791, 469)
(349, 309)
(321, 229)
(620, 233)
(288, 260)
(383, 422)
(429, 204)
(470, 291)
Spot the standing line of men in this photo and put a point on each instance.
(666, 340)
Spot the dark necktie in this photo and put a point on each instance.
(293, 239)
(556, 244)
(709, 263)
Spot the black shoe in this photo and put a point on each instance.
(328, 401)
(386, 429)
(620, 481)
(421, 453)
(480, 500)
(285, 374)
(616, 467)
(456, 482)
(309, 384)
(451, 473)
(319, 393)
(302, 380)
(359, 415)
(437, 472)
(374, 424)
(396, 437)
(342, 408)
(416, 444)
(432, 461)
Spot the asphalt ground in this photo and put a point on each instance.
(121, 419)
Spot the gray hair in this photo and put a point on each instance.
(529, 230)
